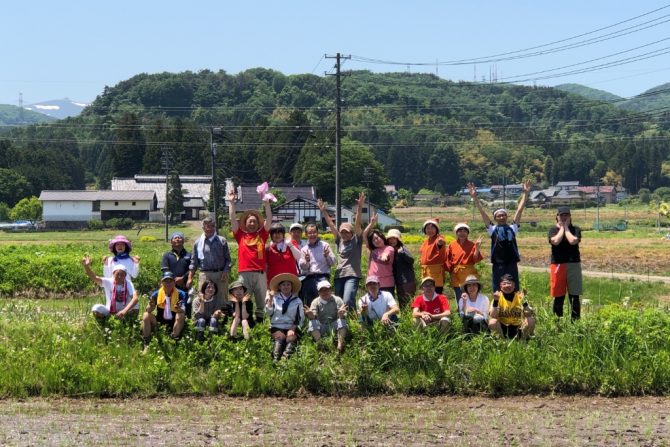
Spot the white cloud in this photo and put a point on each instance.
(37, 106)
(80, 104)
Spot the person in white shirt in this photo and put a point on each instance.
(377, 305)
(473, 307)
(121, 299)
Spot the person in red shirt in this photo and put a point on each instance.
(431, 308)
(281, 255)
(251, 234)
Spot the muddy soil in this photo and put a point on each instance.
(316, 421)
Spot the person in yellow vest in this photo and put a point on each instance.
(510, 315)
(170, 305)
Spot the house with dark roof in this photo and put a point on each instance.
(304, 210)
(75, 208)
(196, 190)
(249, 199)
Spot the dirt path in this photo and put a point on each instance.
(595, 274)
(383, 421)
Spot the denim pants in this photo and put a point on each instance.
(347, 288)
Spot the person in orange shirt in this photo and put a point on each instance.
(462, 255)
(433, 254)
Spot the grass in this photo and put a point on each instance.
(54, 347)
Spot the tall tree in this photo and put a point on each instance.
(175, 197)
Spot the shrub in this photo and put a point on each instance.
(95, 225)
(123, 223)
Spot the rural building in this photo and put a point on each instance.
(74, 209)
(306, 210)
(249, 199)
(196, 190)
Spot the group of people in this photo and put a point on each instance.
(288, 279)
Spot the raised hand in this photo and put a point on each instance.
(361, 199)
(309, 313)
(472, 189)
(342, 311)
(86, 261)
(526, 186)
(321, 204)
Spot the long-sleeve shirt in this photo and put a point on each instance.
(461, 260)
(293, 316)
(216, 255)
(318, 262)
(403, 266)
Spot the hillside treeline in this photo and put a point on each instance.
(412, 130)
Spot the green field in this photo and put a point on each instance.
(53, 346)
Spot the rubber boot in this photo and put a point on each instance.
(290, 349)
(199, 336)
(340, 343)
(145, 344)
(278, 349)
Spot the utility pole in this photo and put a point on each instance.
(367, 179)
(166, 161)
(212, 146)
(338, 135)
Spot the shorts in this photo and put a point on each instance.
(161, 320)
(566, 276)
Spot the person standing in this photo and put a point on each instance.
(433, 254)
(281, 255)
(504, 249)
(120, 247)
(315, 263)
(251, 234)
(565, 272)
(403, 268)
(211, 256)
(178, 261)
(349, 245)
(462, 255)
(380, 263)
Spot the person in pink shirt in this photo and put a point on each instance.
(380, 263)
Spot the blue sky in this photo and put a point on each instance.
(74, 48)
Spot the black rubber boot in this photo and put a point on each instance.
(278, 349)
(199, 336)
(290, 349)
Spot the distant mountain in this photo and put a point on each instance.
(58, 108)
(654, 99)
(12, 115)
(589, 93)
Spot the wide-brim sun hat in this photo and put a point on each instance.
(394, 232)
(435, 222)
(117, 239)
(294, 280)
(471, 279)
(245, 215)
(461, 225)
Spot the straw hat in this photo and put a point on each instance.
(294, 280)
(245, 215)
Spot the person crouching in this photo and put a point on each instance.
(243, 309)
(169, 303)
(207, 311)
(286, 314)
(327, 315)
(431, 308)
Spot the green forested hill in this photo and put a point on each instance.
(652, 101)
(589, 93)
(412, 130)
(11, 115)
